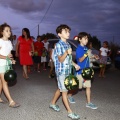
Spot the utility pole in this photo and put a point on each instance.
(113, 39)
(38, 29)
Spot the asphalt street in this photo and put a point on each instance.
(35, 95)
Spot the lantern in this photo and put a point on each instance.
(87, 73)
(10, 77)
(71, 82)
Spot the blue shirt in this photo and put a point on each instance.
(65, 66)
(80, 51)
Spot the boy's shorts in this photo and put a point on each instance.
(60, 81)
(37, 59)
(82, 83)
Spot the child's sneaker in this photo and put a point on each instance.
(73, 116)
(54, 107)
(71, 99)
(91, 105)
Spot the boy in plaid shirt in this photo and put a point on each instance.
(62, 62)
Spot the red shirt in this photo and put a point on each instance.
(38, 46)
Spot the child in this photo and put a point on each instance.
(104, 52)
(5, 51)
(91, 55)
(82, 54)
(43, 57)
(62, 53)
(51, 61)
(38, 46)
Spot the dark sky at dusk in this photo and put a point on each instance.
(100, 18)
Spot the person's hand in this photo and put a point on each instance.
(77, 67)
(69, 51)
(96, 57)
(88, 53)
(31, 53)
(10, 56)
(13, 61)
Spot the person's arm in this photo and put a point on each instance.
(109, 52)
(50, 53)
(87, 54)
(67, 52)
(17, 47)
(4, 57)
(32, 47)
(77, 67)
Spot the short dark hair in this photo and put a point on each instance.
(38, 36)
(82, 34)
(60, 27)
(106, 42)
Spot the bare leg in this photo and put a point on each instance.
(44, 65)
(25, 71)
(38, 66)
(0, 89)
(56, 96)
(88, 94)
(65, 101)
(5, 88)
(100, 74)
(103, 71)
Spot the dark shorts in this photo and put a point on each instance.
(37, 59)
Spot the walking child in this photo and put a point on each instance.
(51, 61)
(62, 59)
(38, 46)
(82, 57)
(5, 52)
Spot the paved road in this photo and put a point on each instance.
(35, 94)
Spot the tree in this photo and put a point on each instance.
(49, 36)
(95, 42)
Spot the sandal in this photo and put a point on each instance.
(15, 105)
(26, 77)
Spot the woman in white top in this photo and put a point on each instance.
(5, 51)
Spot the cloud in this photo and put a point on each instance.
(24, 6)
(97, 17)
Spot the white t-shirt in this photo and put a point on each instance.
(46, 44)
(5, 49)
(104, 51)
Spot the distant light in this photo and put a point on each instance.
(75, 38)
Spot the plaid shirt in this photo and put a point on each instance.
(65, 66)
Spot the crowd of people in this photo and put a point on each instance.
(37, 53)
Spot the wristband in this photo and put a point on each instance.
(85, 55)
